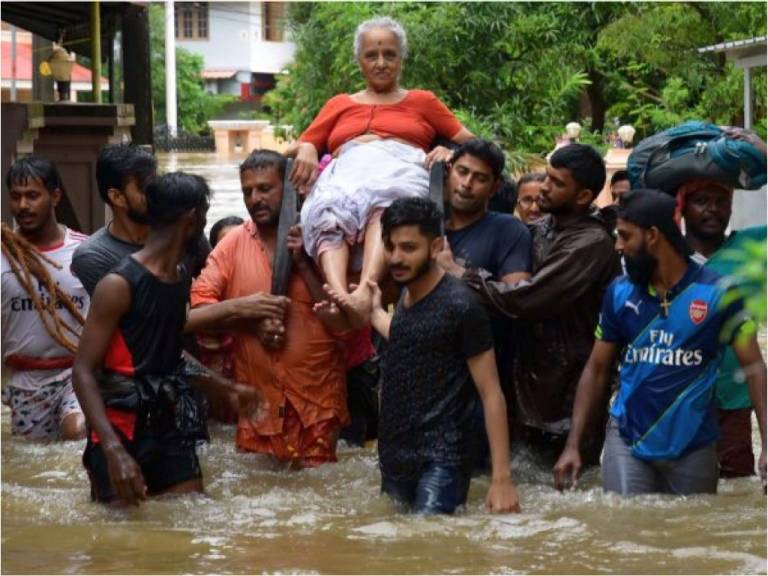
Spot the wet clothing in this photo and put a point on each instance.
(39, 390)
(669, 360)
(498, 243)
(362, 402)
(417, 118)
(158, 415)
(27, 348)
(693, 473)
(362, 388)
(148, 339)
(216, 353)
(98, 255)
(103, 251)
(309, 446)
(365, 178)
(359, 347)
(308, 371)
(427, 392)
(160, 420)
(439, 489)
(164, 462)
(572, 264)
(38, 413)
(734, 447)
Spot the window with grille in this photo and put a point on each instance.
(273, 21)
(191, 20)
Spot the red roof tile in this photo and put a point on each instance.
(24, 64)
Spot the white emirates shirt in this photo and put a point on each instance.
(23, 331)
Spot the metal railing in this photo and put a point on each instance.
(182, 142)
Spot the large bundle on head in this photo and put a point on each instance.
(695, 150)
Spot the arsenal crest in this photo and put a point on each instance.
(698, 311)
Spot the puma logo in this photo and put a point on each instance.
(633, 306)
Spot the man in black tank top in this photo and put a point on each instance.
(144, 418)
(122, 174)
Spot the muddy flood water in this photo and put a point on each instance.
(259, 518)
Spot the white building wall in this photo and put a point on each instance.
(749, 208)
(235, 40)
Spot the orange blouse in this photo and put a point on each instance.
(309, 371)
(417, 118)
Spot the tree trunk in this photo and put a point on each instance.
(596, 100)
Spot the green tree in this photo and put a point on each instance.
(518, 71)
(479, 58)
(661, 79)
(195, 106)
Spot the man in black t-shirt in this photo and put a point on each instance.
(439, 342)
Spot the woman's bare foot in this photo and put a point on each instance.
(361, 300)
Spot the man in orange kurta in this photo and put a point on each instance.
(297, 364)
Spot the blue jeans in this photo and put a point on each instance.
(440, 489)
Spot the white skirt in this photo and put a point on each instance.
(364, 177)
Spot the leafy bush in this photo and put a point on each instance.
(749, 281)
(517, 72)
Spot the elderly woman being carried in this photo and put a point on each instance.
(379, 138)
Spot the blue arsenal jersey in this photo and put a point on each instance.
(671, 352)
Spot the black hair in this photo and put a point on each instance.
(412, 212)
(263, 158)
(172, 195)
(649, 208)
(586, 165)
(486, 151)
(529, 177)
(119, 162)
(618, 176)
(34, 168)
(213, 237)
(505, 199)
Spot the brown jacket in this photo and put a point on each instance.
(559, 307)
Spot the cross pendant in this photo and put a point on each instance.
(665, 304)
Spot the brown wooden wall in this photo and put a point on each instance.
(70, 135)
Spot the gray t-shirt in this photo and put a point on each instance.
(95, 257)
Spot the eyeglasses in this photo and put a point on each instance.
(527, 201)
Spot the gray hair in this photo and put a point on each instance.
(388, 24)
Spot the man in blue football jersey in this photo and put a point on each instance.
(670, 320)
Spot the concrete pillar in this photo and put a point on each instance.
(749, 206)
(748, 97)
(170, 69)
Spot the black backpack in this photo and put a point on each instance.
(695, 150)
